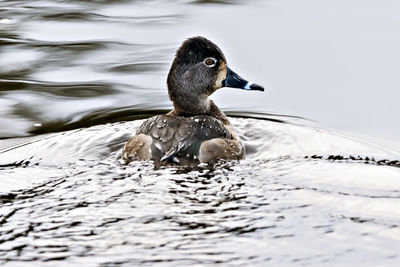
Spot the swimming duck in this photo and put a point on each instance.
(196, 130)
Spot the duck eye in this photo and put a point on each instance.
(210, 62)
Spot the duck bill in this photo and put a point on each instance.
(233, 80)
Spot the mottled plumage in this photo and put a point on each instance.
(178, 136)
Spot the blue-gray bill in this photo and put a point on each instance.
(235, 81)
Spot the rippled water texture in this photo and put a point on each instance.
(76, 80)
(277, 206)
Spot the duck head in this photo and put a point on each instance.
(198, 70)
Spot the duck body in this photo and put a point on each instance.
(186, 140)
(196, 130)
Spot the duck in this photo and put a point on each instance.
(196, 130)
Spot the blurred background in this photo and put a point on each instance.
(71, 64)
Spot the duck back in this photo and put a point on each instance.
(178, 137)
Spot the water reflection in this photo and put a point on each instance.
(39, 77)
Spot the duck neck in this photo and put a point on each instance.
(201, 108)
(187, 105)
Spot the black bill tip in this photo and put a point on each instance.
(254, 86)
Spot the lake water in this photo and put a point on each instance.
(321, 180)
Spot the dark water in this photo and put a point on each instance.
(78, 77)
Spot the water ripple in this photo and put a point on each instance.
(92, 208)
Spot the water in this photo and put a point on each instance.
(81, 206)
(78, 77)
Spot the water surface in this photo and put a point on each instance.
(71, 201)
(77, 78)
